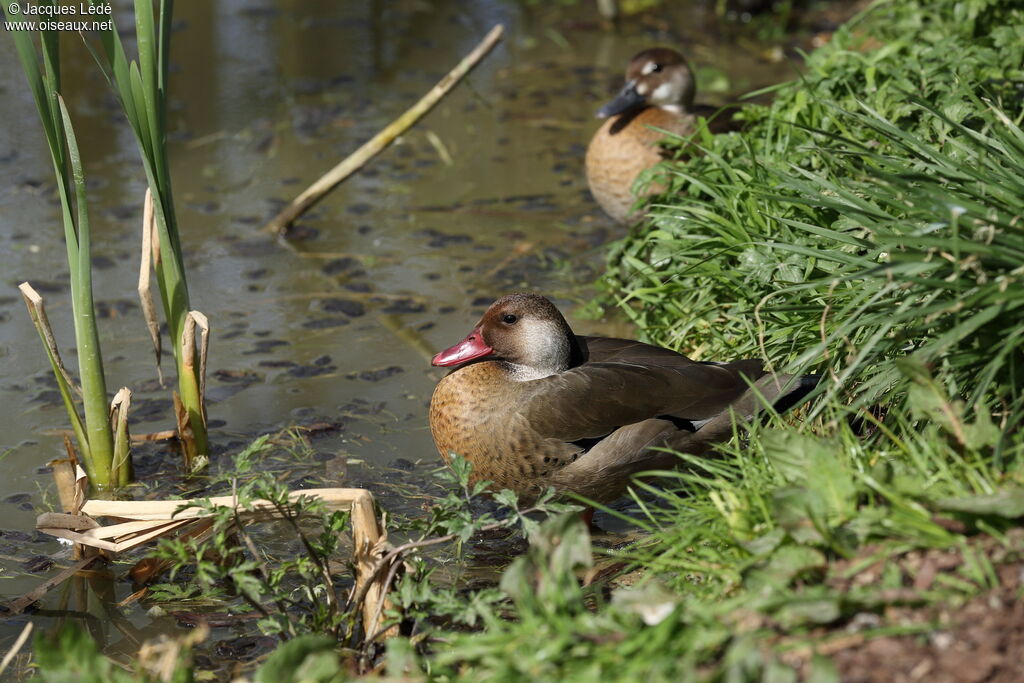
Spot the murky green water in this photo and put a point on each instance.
(486, 195)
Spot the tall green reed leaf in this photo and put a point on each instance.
(141, 87)
(94, 436)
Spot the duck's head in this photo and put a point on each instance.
(658, 77)
(524, 330)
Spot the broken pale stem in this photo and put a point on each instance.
(18, 644)
(315, 192)
(37, 310)
(150, 256)
(66, 385)
(189, 509)
(369, 542)
(142, 521)
(193, 387)
(121, 468)
(70, 483)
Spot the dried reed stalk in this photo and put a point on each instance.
(121, 467)
(194, 382)
(22, 639)
(370, 546)
(147, 264)
(142, 521)
(37, 310)
(315, 192)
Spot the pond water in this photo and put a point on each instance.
(484, 196)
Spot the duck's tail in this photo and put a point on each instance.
(796, 390)
(647, 442)
(781, 392)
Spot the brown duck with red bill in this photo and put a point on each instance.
(532, 405)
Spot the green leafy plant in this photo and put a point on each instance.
(774, 547)
(301, 595)
(294, 596)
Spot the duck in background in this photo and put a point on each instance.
(532, 405)
(657, 97)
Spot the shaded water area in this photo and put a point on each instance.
(333, 328)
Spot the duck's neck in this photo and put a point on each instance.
(566, 354)
(525, 373)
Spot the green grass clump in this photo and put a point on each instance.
(753, 561)
(871, 212)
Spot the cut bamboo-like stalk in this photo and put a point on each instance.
(370, 546)
(37, 310)
(150, 257)
(70, 487)
(65, 384)
(315, 192)
(121, 467)
(195, 320)
(192, 381)
(172, 509)
(186, 437)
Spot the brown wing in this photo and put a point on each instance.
(603, 473)
(608, 349)
(591, 400)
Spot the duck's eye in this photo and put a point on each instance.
(656, 68)
(509, 319)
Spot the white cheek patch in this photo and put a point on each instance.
(648, 68)
(546, 350)
(539, 339)
(642, 88)
(663, 93)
